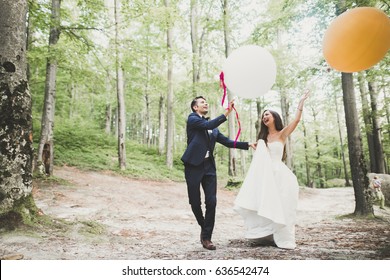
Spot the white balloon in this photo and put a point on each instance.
(249, 71)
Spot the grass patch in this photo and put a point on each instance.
(46, 181)
(89, 148)
(92, 228)
(356, 217)
(233, 183)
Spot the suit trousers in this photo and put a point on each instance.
(205, 175)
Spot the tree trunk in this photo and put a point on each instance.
(259, 110)
(387, 109)
(161, 133)
(387, 131)
(319, 166)
(148, 136)
(231, 126)
(195, 45)
(363, 205)
(347, 183)
(367, 120)
(108, 120)
(147, 126)
(307, 163)
(72, 97)
(16, 151)
(45, 159)
(120, 95)
(170, 115)
(376, 135)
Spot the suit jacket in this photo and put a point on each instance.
(199, 141)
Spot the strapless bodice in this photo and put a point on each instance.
(276, 150)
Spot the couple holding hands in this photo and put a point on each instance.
(268, 197)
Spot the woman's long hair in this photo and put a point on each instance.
(263, 133)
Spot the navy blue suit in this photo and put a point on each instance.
(202, 136)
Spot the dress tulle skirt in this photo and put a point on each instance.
(268, 197)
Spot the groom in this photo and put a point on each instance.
(199, 164)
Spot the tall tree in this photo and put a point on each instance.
(161, 122)
(377, 139)
(347, 183)
(366, 119)
(226, 32)
(307, 165)
(170, 113)
(120, 92)
(318, 144)
(16, 150)
(195, 44)
(45, 158)
(108, 119)
(363, 203)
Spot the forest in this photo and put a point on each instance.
(105, 53)
(111, 83)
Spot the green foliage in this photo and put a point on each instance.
(92, 228)
(146, 163)
(86, 80)
(335, 183)
(87, 146)
(233, 183)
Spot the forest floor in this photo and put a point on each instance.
(101, 215)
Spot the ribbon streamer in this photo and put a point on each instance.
(223, 85)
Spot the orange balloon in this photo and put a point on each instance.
(357, 39)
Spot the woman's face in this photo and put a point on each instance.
(268, 118)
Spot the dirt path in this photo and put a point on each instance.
(113, 217)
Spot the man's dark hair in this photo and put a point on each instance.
(193, 103)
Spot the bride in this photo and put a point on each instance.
(268, 197)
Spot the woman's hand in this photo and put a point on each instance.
(303, 98)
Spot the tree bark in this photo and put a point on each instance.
(16, 151)
(194, 44)
(108, 120)
(363, 204)
(231, 126)
(147, 126)
(161, 129)
(376, 135)
(45, 158)
(107, 127)
(120, 94)
(319, 166)
(347, 183)
(387, 131)
(170, 114)
(387, 108)
(307, 163)
(367, 120)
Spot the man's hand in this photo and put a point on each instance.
(230, 108)
(253, 145)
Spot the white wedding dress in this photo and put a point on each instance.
(268, 197)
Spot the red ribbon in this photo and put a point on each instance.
(223, 85)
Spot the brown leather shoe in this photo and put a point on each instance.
(207, 244)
